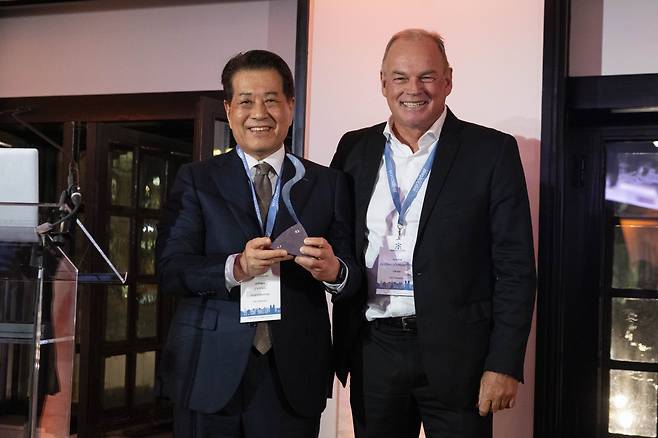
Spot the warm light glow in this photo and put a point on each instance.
(216, 151)
(156, 181)
(619, 401)
(626, 419)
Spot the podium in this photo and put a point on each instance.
(38, 291)
(38, 288)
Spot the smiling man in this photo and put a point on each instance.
(249, 350)
(438, 333)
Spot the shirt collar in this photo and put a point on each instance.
(427, 139)
(275, 160)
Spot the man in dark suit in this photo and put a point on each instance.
(443, 225)
(233, 371)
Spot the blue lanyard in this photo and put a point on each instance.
(300, 171)
(274, 204)
(403, 207)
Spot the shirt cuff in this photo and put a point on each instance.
(229, 279)
(336, 288)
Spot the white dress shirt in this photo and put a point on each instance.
(382, 217)
(276, 161)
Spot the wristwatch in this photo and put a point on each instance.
(340, 278)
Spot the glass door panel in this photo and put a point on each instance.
(121, 177)
(631, 195)
(147, 313)
(114, 386)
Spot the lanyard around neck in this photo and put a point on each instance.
(274, 203)
(300, 171)
(403, 206)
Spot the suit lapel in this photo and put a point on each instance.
(445, 155)
(233, 185)
(371, 159)
(299, 196)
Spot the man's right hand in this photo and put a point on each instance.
(257, 258)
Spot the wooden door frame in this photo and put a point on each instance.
(565, 101)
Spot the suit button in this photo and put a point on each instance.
(252, 324)
(418, 274)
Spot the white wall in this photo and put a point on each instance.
(495, 49)
(108, 47)
(630, 37)
(613, 37)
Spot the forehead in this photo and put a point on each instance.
(257, 81)
(414, 54)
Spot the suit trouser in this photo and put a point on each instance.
(257, 410)
(390, 394)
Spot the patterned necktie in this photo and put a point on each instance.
(262, 339)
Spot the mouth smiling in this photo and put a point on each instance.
(260, 128)
(413, 104)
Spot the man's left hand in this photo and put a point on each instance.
(318, 258)
(497, 392)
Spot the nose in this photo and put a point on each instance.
(414, 86)
(258, 110)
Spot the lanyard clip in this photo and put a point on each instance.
(400, 229)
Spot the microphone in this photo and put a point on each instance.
(74, 185)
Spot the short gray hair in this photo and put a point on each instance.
(417, 34)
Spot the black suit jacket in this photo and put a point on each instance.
(473, 264)
(209, 216)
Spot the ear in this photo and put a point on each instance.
(448, 80)
(227, 109)
(382, 81)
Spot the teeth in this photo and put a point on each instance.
(413, 104)
(260, 128)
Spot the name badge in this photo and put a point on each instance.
(394, 271)
(260, 297)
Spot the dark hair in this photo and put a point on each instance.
(257, 60)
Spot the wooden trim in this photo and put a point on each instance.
(550, 319)
(208, 110)
(106, 107)
(65, 157)
(607, 92)
(301, 77)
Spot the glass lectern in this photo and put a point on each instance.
(38, 290)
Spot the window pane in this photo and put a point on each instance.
(634, 330)
(633, 398)
(632, 179)
(116, 321)
(121, 178)
(151, 176)
(144, 377)
(147, 236)
(147, 301)
(635, 256)
(120, 242)
(114, 388)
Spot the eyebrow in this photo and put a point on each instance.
(267, 93)
(424, 73)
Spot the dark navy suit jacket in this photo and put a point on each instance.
(209, 216)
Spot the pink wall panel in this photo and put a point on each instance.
(495, 49)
